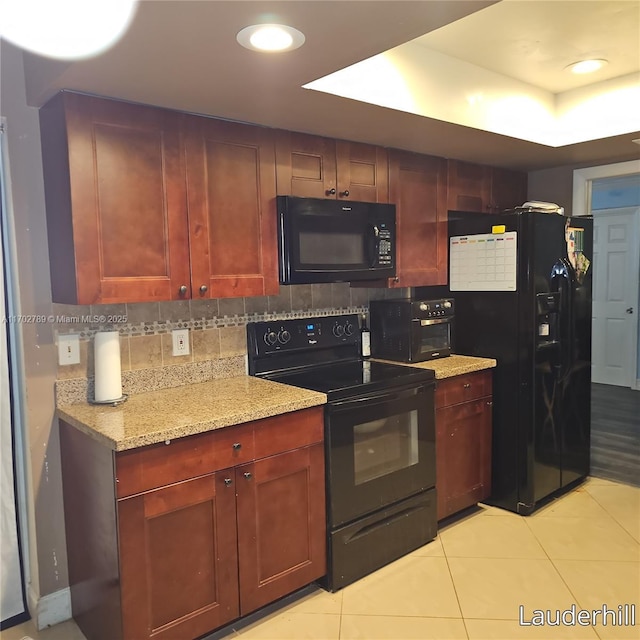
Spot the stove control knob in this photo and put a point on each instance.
(348, 328)
(271, 338)
(446, 304)
(338, 330)
(423, 306)
(284, 336)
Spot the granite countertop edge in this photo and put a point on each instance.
(451, 366)
(299, 399)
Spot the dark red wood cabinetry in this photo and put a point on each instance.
(418, 189)
(173, 541)
(136, 214)
(232, 215)
(116, 201)
(148, 204)
(315, 167)
(475, 187)
(463, 441)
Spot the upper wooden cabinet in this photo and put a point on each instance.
(315, 167)
(474, 187)
(116, 201)
(508, 189)
(417, 186)
(232, 216)
(124, 222)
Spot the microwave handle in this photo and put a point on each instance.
(424, 323)
(372, 242)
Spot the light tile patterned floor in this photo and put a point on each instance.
(582, 549)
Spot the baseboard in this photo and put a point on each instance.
(637, 387)
(50, 609)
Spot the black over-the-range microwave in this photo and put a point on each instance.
(335, 241)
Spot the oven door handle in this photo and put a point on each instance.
(424, 323)
(380, 397)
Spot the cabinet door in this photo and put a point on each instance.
(232, 214)
(281, 525)
(362, 172)
(469, 187)
(508, 189)
(116, 201)
(463, 454)
(306, 165)
(417, 186)
(178, 559)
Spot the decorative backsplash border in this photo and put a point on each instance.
(94, 323)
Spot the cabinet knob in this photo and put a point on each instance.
(345, 193)
(330, 192)
(237, 446)
(247, 475)
(228, 482)
(204, 288)
(489, 403)
(467, 385)
(183, 290)
(396, 280)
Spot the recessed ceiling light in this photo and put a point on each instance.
(587, 66)
(270, 37)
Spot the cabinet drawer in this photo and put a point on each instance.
(448, 416)
(162, 464)
(288, 431)
(463, 388)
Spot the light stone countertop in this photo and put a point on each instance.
(453, 365)
(157, 416)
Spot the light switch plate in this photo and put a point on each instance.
(69, 349)
(180, 339)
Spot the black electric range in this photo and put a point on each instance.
(379, 439)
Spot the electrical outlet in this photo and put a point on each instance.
(180, 342)
(69, 349)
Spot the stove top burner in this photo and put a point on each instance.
(343, 379)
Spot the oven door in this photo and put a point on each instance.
(381, 449)
(430, 339)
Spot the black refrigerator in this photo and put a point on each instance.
(524, 298)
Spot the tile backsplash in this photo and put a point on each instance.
(217, 333)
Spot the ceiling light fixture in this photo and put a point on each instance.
(69, 29)
(270, 37)
(587, 66)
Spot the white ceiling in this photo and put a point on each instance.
(535, 41)
(183, 55)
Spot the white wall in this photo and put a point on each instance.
(47, 552)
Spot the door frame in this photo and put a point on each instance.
(582, 189)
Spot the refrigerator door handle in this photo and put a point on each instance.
(562, 282)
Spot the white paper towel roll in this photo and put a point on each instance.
(108, 380)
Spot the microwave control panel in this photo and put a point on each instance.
(385, 254)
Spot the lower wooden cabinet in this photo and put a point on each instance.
(157, 549)
(463, 441)
(178, 559)
(281, 524)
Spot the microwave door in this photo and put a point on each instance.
(329, 248)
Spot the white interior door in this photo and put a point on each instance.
(616, 243)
